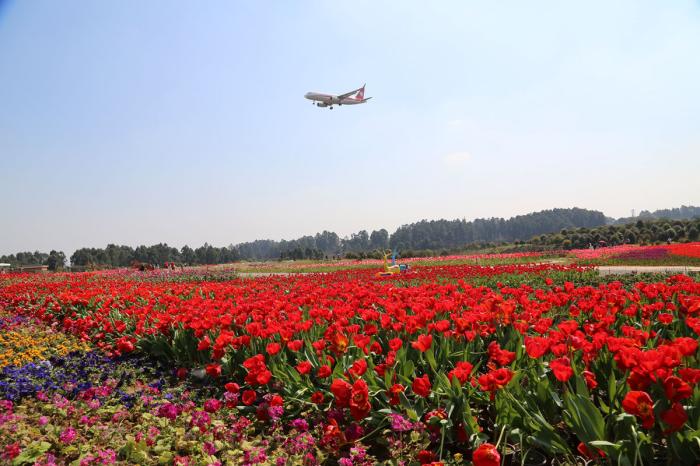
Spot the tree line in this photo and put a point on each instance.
(123, 256)
(561, 228)
(678, 213)
(55, 260)
(639, 232)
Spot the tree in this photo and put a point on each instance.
(56, 260)
(379, 239)
(693, 233)
(187, 255)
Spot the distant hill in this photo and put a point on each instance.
(450, 234)
(435, 235)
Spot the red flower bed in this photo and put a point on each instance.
(687, 249)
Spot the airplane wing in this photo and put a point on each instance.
(348, 94)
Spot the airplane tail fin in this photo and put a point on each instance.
(361, 93)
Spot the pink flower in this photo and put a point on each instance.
(43, 420)
(212, 405)
(68, 435)
(209, 448)
(168, 410)
(87, 460)
(107, 456)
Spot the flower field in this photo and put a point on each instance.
(644, 253)
(449, 364)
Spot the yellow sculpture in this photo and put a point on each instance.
(392, 269)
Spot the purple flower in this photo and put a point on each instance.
(336, 414)
(399, 423)
(43, 420)
(300, 424)
(275, 412)
(50, 460)
(231, 398)
(354, 431)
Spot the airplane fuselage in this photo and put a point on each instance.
(328, 99)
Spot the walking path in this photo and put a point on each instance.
(627, 269)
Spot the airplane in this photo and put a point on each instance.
(327, 100)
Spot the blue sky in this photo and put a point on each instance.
(138, 122)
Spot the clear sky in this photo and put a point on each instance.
(136, 122)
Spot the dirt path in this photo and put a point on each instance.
(268, 274)
(627, 269)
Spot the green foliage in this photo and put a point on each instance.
(641, 232)
(25, 258)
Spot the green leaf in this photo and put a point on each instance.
(604, 443)
(430, 356)
(32, 453)
(407, 370)
(388, 377)
(584, 418)
(412, 415)
(612, 388)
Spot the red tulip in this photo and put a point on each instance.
(421, 386)
(249, 397)
(214, 370)
(639, 404)
(561, 368)
(486, 455)
(423, 343)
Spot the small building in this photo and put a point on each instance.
(33, 268)
(4, 267)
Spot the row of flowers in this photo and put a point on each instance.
(635, 251)
(23, 341)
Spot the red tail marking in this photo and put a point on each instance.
(361, 94)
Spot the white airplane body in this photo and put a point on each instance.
(328, 100)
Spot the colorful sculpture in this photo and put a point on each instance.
(394, 268)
